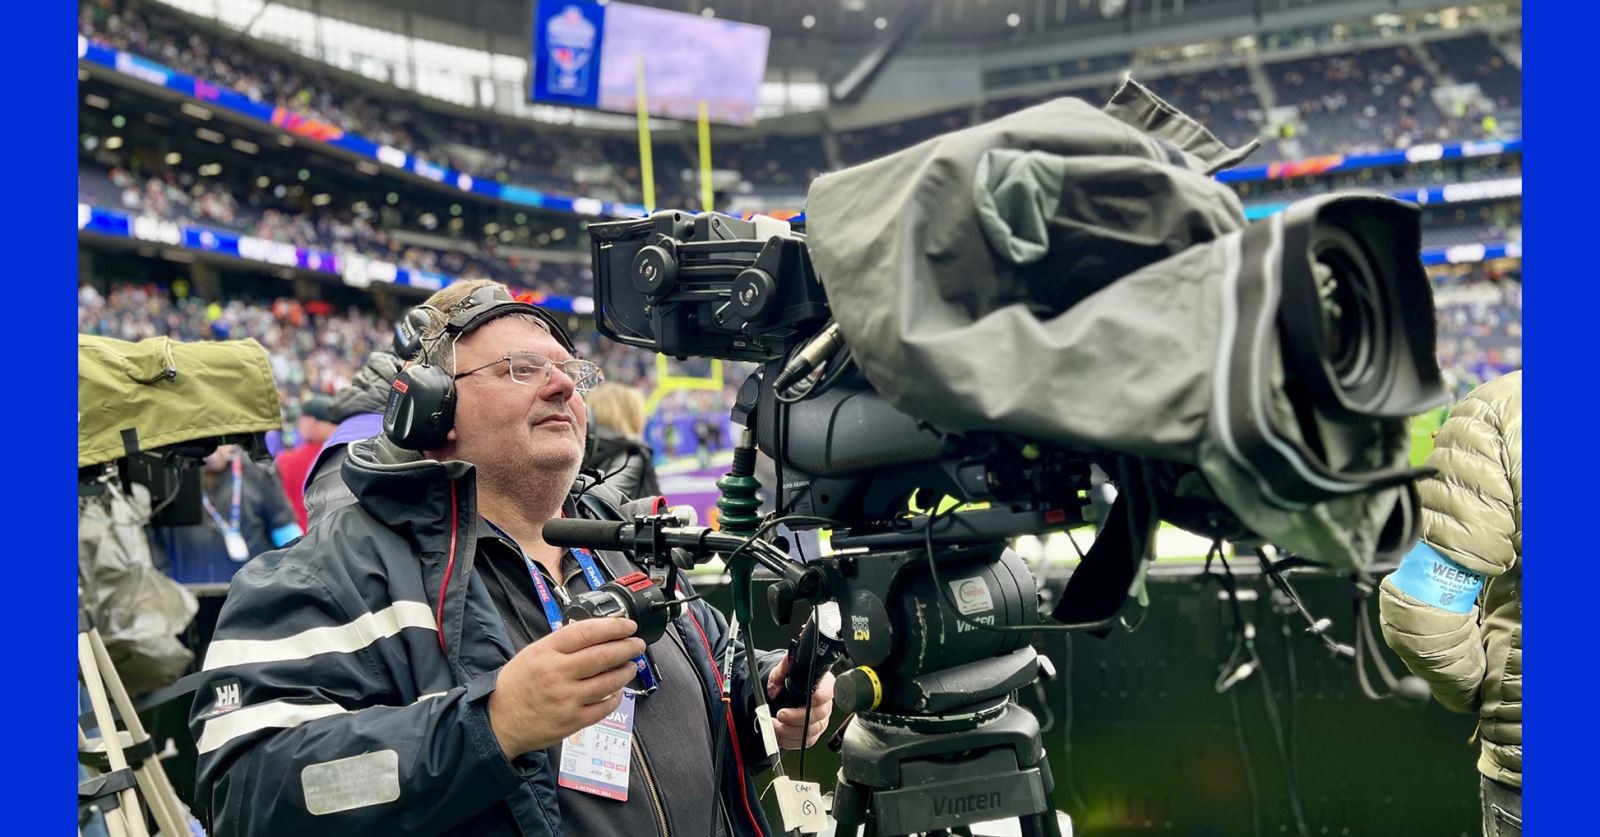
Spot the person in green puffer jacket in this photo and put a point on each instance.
(1453, 609)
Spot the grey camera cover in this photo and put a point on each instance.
(1040, 275)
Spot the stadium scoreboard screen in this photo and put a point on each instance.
(587, 55)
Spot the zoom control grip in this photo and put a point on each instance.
(810, 655)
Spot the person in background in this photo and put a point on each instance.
(1453, 609)
(620, 455)
(313, 427)
(245, 513)
(357, 414)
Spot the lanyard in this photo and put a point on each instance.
(552, 612)
(238, 482)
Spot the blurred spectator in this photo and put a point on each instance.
(313, 427)
(619, 452)
(245, 514)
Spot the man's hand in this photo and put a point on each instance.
(787, 723)
(562, 683)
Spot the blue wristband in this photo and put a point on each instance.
(1427, 575)
(285, 533)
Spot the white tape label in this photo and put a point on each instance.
(355, 782)
(764, 724)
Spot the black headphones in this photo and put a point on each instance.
(422, 400)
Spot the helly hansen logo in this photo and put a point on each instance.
(227, 696)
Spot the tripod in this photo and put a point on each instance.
(125, 760)
(957, 765)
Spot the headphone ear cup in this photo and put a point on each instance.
(408, 333)
(421, 408)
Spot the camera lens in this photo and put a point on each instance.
(1355, 317)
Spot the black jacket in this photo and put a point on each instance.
(626, 462)
(351, 673)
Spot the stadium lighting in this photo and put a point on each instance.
(558, 233)
(244, 145)
(366, 168)
(881, 23)
(808, 21)
(286, 141)
(491, 228)
(188, 109)
(118, 121)
(457, 223)
(113, 143)
(1013, 20)
(98, 102)
(428, 220)
(278, 191)
(520, 218)
(359, 207)
(321, 199)
(209, 135)
(455, 209)
(708, 12)
(303, 174)
(173, 158)
(391, 198)
(263, 182)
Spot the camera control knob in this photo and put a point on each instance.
(754, 295)
(655, 271)
(857, 690)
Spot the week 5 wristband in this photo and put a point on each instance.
(1426, 574)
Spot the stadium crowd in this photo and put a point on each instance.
(1345, 102)
(175, 195)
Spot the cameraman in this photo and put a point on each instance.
(395, 671)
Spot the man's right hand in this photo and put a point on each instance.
(562, 683)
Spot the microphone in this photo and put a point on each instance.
(580, 533)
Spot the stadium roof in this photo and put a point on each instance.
(965, 21)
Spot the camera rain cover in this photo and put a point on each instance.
(159, 392)
(1077, 276)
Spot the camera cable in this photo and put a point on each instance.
(1245, 640)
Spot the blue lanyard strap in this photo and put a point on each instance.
(552, 611)
(238, 482)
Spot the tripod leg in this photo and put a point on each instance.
(1041, 825)
(158, 792)
(127, 801)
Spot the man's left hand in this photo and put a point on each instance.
(786, 724)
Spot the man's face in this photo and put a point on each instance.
(315, 431)
(508, 429)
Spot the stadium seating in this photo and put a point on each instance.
(1363, 100)
(177, 197)
(1475, 58)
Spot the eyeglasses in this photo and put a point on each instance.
(535, 370)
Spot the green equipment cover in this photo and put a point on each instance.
(159, 392)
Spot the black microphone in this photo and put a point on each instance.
(583, 534)
(579, 533)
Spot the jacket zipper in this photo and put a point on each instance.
(650, 785)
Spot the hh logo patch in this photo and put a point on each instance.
(227, 696)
